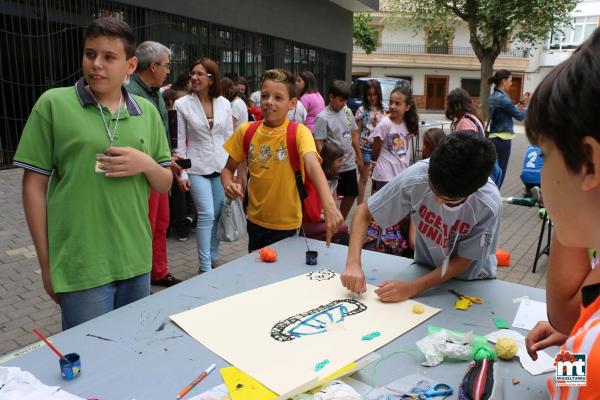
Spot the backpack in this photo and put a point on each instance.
(311, 202)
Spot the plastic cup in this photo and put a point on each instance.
(70, 367)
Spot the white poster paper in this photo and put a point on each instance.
(299, 330)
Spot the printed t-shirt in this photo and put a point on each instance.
(370, 118)
(273, 198)
(337, 127)
(469, 231)
(98, 227)
(396, 146)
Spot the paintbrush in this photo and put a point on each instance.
(54, 349)
(305, 239)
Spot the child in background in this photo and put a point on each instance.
(368, 116)
(333, 157)
(431, 139)
(309, 96)
(274, 210)
(298, 113)
(336, 124)
(239, 110)
(531, 173)
(392, 138)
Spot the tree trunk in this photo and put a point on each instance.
(487, 69)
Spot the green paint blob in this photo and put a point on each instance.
(371, 335)
(321, 365)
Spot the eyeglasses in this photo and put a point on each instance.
(166, 66)
(447, 200)
(200, 74)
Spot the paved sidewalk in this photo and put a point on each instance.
(25, 305)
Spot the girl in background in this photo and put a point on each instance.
(460, 110)
(368, 116)
(239, 110)
(306, 87)
(392, 137)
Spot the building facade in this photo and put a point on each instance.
(432, 69)
(560, 43)
(43, 40)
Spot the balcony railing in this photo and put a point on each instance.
(436, 49)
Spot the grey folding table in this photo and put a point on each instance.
(135, 352)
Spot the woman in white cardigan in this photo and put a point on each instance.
(204, 123)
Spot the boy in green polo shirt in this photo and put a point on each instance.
(91, 153)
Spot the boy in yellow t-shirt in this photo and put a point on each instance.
(274, 208)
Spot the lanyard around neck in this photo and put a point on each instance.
(111, 136)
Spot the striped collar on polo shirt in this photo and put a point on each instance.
(86, 98)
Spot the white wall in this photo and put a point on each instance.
(395, 35)
(542, 60)
(461, 37)
(418, 76)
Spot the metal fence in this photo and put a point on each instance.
(42, 41)
(436, 49)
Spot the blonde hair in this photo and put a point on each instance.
(283, 76)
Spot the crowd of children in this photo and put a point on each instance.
(120, 168)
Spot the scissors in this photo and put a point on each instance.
(476, 300)
(441, 389)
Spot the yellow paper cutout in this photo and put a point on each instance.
(242, 386)
(462, 304)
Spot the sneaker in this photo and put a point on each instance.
(183, 238)
(167, 281)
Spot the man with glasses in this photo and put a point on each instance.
(456, 210)
(152, 70)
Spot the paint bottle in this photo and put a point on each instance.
(70, 366)
(311, 257)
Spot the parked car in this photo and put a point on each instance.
(387, 85)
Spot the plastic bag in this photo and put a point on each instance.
(447, 344)
(232, 223)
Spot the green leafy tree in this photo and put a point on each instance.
(363, 34)
(492, 24)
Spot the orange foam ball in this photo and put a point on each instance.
(267, 254)
(503, 257)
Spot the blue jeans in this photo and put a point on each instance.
(208, 195)
(503, 148)
(84, 305)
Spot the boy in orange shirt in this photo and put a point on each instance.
(274, 208)
(562, 120)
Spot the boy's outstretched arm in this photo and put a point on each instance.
(333, 217)
(393, 291)
(126, 161)
(232, 189)
(353, 277)
(35, 187)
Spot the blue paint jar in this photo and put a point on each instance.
(311, 257)
(70, 367)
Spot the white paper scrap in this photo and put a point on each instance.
(17, 384)
(543, 364)
(218, 392)
(530, 312)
